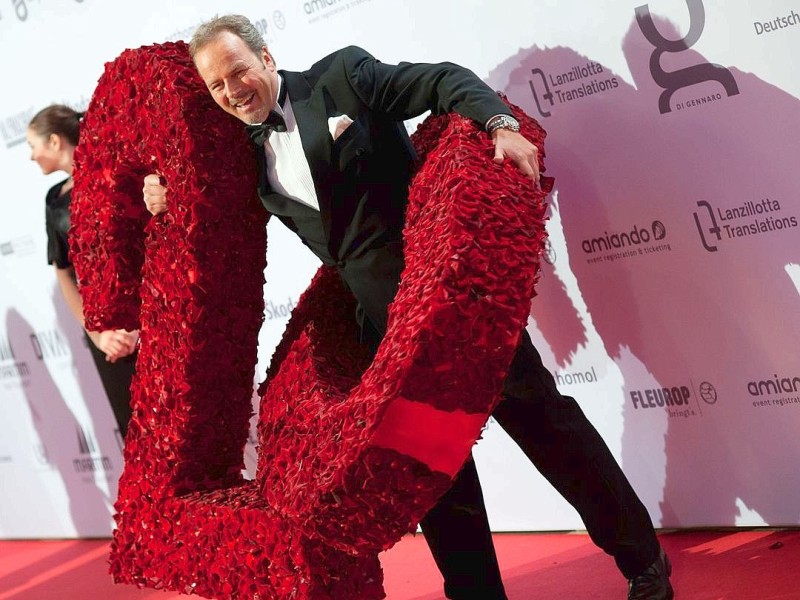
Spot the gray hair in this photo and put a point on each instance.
(236, 24)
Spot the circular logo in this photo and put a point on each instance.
(659, 231)
(279, 19)
(708, 393)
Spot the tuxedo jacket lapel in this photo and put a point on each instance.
(310, 113)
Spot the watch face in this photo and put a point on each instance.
(510, 123)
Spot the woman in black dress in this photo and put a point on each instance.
(53, 136)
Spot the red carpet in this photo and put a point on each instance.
(708, 565)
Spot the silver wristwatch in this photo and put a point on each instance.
(501, 122)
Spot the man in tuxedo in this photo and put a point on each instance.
(335, 164)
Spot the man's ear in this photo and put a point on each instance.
(267, 57)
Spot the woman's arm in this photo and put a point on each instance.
(115, 344)
(69, 289)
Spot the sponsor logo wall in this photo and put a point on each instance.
(669, 305)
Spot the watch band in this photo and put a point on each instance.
(501, 122)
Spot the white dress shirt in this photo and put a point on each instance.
(288, 171)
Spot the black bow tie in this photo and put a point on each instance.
(260, 131)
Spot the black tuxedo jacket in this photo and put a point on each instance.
(362, 178)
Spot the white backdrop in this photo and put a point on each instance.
(674, 261)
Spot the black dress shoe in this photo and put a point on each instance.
(653, 583)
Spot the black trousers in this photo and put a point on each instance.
(116, 379)
(562, 444)
(553, 433)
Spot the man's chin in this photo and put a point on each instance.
(250, 118)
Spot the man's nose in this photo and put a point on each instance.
(232, 90)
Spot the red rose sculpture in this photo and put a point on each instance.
(353, 452)
(357, 453)
(186, 519)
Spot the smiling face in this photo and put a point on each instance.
(242, 83)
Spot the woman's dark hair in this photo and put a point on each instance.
(58, 119)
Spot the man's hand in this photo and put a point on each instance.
(512, 145)
(155, 194)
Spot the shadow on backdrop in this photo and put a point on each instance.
(695, 303)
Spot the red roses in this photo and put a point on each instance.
(352, 453)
